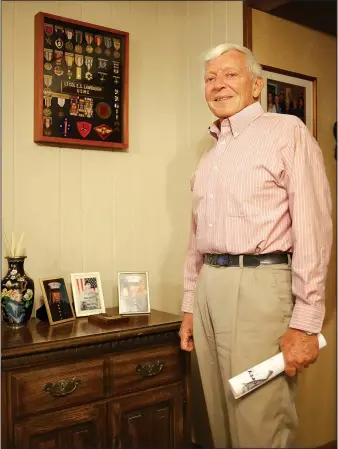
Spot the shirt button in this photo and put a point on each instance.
(210, 225)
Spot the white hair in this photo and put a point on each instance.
(251, 64)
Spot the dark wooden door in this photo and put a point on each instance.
(76, 428)
(150, 420)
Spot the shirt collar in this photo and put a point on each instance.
(237, 122)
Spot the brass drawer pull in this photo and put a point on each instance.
(62, 387)
(149, 369)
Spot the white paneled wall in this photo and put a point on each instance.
(86, 210)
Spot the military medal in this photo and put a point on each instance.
(47, 112)
(48, 40)
(59, 43)
(117, 46)
(78, 40)
(65, 127)
(47, 121)
(48, 66)
(103, 131)
(48, 101)
(108, 43)
(48, 53)
(47, 79)
(59, 29)
(79, 63)
(89, 40)
(61, 103)
(98, 42)
(69, 57)
(58, 70)
(49, 28)
(88, 63)
(69, 33)
(103, 110)
(103, 63)
(47, 91)
(84, 128)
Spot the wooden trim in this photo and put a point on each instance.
(247, 26)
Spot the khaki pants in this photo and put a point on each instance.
(239, 316)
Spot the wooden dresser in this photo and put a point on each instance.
(83, 386)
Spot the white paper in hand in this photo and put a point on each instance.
(260, 374)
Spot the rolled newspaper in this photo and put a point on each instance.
(260, 374)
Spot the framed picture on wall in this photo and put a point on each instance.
(87, 294)
(291, 93)
(80, 84)
(58, 306)
(133, 288)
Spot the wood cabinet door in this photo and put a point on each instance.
(152, 420)
(76, 428)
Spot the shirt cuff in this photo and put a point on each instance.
(307, 318)
(188, 303)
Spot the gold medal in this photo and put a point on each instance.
(78, 48)
(47, 112)
(47, 91)
(89, 49)
(48, 66)
(58, 70)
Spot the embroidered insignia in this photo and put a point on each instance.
(84, 128)
(103, 131)
(103, 110)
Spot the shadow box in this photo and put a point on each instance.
(81, 84)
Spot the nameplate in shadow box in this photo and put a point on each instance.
(81, 84)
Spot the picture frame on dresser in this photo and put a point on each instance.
(133, 290)
(81, 82)
(292, 93)
(87, 294)
(58, 305)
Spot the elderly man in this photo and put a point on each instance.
(259, 249)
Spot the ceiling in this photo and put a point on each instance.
(319, 15)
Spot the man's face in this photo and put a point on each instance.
(229, 87)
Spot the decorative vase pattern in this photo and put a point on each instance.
(17, 293)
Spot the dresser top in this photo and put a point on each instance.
(39, 336)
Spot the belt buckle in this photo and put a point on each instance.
(223, 260)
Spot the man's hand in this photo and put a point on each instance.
(299, 350)
(186, 332)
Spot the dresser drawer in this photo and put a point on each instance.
(57, 387)
(145, 368)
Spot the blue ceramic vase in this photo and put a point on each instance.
(17, 293)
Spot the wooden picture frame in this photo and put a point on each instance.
(87, 294)
(58, 305)
(133, 290)
(81, 84)
(300, 86)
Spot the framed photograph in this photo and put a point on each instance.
(133, 290)
(81, 84)
(58, 306)
(87, 294)
(291, 93)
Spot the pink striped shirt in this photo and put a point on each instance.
(262, 188)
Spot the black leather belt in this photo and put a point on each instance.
(230, 260)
